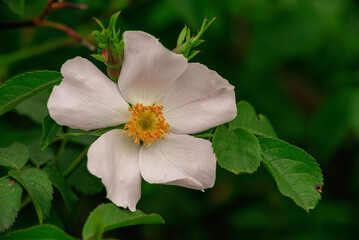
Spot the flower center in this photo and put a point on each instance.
(146, 124)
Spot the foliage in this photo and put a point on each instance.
(295, 61)
(45, 231)
(24, 86)
(14, 156)
(248, 119)
(39, 187)
(10, 199)
(108, 216)
(186, 42)
(296, 173)
(50, 130)
(237, 150)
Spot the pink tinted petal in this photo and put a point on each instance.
(180, 160)
(198, 100)
(86, 99)
(114, 158)
(148, 69)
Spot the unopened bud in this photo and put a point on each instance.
(114, 62)
(104, 54)
(113, 73)
(110, 47)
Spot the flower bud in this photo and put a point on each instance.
(110, 47)
(114, 62)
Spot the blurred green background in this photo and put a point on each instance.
(296, 61)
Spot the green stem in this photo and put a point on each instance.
(6, 176)
(61, 150)
(76, 163)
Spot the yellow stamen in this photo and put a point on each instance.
(147, 124)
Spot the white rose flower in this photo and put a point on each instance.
(161, 98)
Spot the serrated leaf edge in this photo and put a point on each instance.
(271, 172)
(37, 205)
(16, 210)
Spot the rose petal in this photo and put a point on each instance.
(86, 99)
(148, 68)
(180, 160)
(115, 159)
(198, 100)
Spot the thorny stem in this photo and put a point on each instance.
(41, 21)
(76, 163)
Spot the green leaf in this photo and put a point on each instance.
(247, 118)
(10, 200)
(188, 35)
(35, 107)
(15, 156)
(199, 42)
(99, 23)
(21, 87)
(192, 54)
(99, 57)
(182, 36)
(108, 216)
(236, 150)
(297, 174)
(37, 157)
(41, 232)
(50, 129)
(17, 6)
(205, 25)
(39, 187)
(191, 42)
(63, 187)
(113, 20)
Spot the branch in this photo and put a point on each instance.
(75, 163)
(46, 11)
(69, 31)
(56, 6)
(41, 21)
